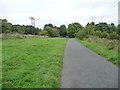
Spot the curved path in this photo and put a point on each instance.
(82, 68)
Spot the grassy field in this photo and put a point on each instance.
(32, 62)
(110, 55)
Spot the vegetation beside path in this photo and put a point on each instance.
(105, 49)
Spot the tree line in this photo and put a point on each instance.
(8, 27)
(102, 30)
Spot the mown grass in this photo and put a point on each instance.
(32, 62)
(110, 55)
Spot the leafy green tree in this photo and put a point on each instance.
(81, 34)
(114, 35)
(113, 27)
(20, 29)
(73, 29)
(0, 26)
(118, 29)
(98, 33)
(31, 30)
(90, 28)
(43, 33)
(49, 30)
(105, 35)
(55, 32)
(106, 27)
(52, 32)
(6, 27)
(50, 25)
(63, 31)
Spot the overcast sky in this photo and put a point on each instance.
(59, 12)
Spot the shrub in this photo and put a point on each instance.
(43, 33)
(111, 45)
(81, 34)
(114, 35)
(105, 35)
(98, 33)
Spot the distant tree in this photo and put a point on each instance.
(114, 35)
(118, 29)
(73, 29)
(0, 26)
(63, 31)
(106, 27)
(55, 32)
(43, 33)
(98, 33)
(105, 35)
(113, 27)
(81, 34)
(31, 30)
(52, 32)
(6, 27)
(90, 28)
(92, 23)
(20, 29)
(50, 25)
(4, 21)
(87, 24)
(49, 30)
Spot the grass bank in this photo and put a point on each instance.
(110, 55)
(32, 62)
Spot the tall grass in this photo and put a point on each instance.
(110, 55)
(110, 44)
(104, 47)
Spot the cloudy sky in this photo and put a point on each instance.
(59, 12)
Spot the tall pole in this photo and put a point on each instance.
(32, 21)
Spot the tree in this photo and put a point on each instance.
(43, 33)
(49, 30)
(98, 33)
(31, 30)
(105, 35)
(92, 23)
(118, 29)
(20, 29)
(63, 31)
(55, 32)
(6, 27)
(52, 32)
(73, 29)
(81, 34)
(106, 27)
(90, 28)
(114, 35)
(50, 25)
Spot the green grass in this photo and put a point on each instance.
(32, 62)
(110, 55)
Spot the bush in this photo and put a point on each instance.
(114, 35)
(81, 34)
(105, 35)
(43, 33)
(111, 45)
(98, 33)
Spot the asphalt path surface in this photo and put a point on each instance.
(82, 68)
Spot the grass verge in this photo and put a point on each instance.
(110, 55)
(32, 62)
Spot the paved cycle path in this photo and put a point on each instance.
(82, 68)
